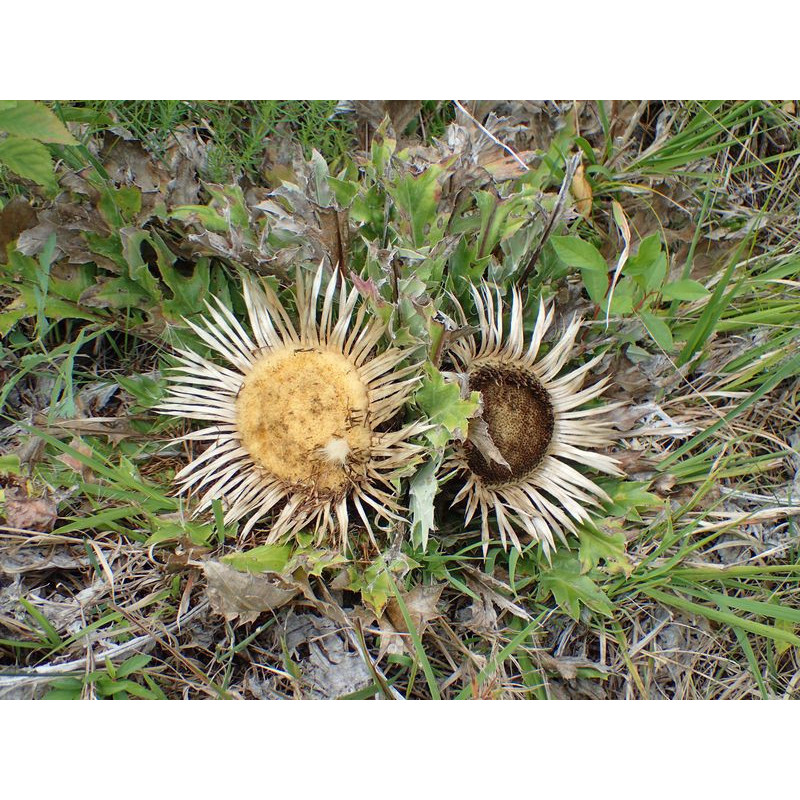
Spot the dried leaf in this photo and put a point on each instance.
(73, 463)
(478, 434)
(567, 666)
(29, 513)
(240, 596)
(373, 112)
(128, 163)
(17, 216)
(582, 192)
(421, 604)
(328, 662)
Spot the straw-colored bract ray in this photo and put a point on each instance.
(297, 412)
(520, 476)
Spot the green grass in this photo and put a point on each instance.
(238, 132)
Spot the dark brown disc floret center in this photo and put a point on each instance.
(519, 415)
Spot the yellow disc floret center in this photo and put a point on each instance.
(303, 417)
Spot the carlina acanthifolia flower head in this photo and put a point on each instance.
(299, 414)
(514, 460)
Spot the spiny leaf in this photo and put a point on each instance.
(442, 403)
(418, 197)
(571, 589)
(597, 545)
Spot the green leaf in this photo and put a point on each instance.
(343, 191)
(649, 265)
(571, 589)
(266, 558)
(658, 330)
(418, 198)
(377, 586)
(133, 664)
(29, 159)
(114, 293)
(207, 217)
(188, 291)
(138, 269)
(597, 545)
(422, 491)
(576, 252)
(441, 401)
(622, 299)
(31, 120)
(628, 495)
(685, 290)
(10, 465)
(596, 284)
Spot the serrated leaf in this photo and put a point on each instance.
(266, 558)
(442, 403)
(138, 269)
(597, 545)
(31, 120)
(28, 159)
(571, 589)
(627, 495)
(576, 252)
(685, 290)
(418, 197)
(658, 330)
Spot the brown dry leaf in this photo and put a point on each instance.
(242, 597)
(567, 666)
(186, 158)
(482, 616)
(334, 235)
(372, 113)
(478, 434)
(128, 163)
(17, 216)
(504, 167)
(29, 513)
(582, 192)
(421, 604)
(73, 463)
(186, 553)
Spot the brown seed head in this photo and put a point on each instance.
(519, 414)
